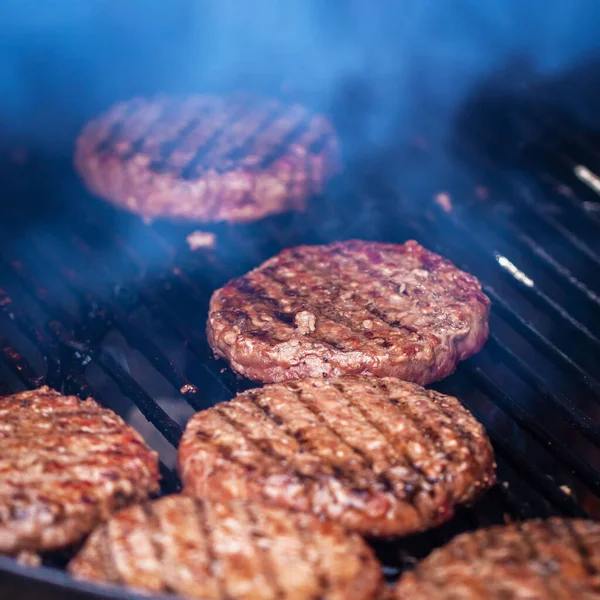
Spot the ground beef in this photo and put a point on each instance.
(65, 465)
(349, 308)
(229, 551)
(206, 158)
(380, 456)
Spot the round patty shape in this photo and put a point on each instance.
(557, 559)
(382, 457)
(207, 158)
(349, 308)
(229, 551)
(64, 466)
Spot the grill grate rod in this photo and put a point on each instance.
(519, 461)
(539, 341)
(569, 411)
(575, 226)
(590, 476)
(127, 385)
(18, 365)
(45, 346)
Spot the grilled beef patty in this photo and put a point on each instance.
(228, 551)
(557, 559)
(65, 465)
(348, 308)
(205, 158)
(380, 456)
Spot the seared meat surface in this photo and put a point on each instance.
(349, 308)
(380, 456)
(557, 559)
(229, 551)
(65, 465)
(206, 158)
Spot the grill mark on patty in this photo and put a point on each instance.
(15, 416)
(580, 545)
(389, 443)
(117, 127)
(275, 462)
(569, 547)
(535, 555)
(390, 439)
(324, 582)
(41, 437)
(281, 425)
(358, 300)
(46, 445)
(319, 309)
(245, 147)
(464, 434)
(213, 559)
(226, 451)
(274, 309)
(366, 268)
(50, 465)
(335, 472)
(278, 149)
(382, 479)
(234, 113)
(166, 110)
(106, 556)
(161, 142)
(152, 528)
(271, 573)
(427, 432)
(241, 131)
(166, 149)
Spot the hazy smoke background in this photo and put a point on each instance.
(62, 61)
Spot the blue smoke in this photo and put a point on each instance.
(62, 61)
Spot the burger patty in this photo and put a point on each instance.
(64, 466)
(380, 456)
(205, 158)
(349, 308)
(557, 559)
(228, 551)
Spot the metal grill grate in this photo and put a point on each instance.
(92, 273)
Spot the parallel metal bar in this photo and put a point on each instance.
(569, 411)
(46, 347)
(520, 462)
(128, 386)
(18, 365)
(529, 423)
(539, 341)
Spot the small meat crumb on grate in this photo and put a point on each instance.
(444, 201)
(305, 322)
(201, 239)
